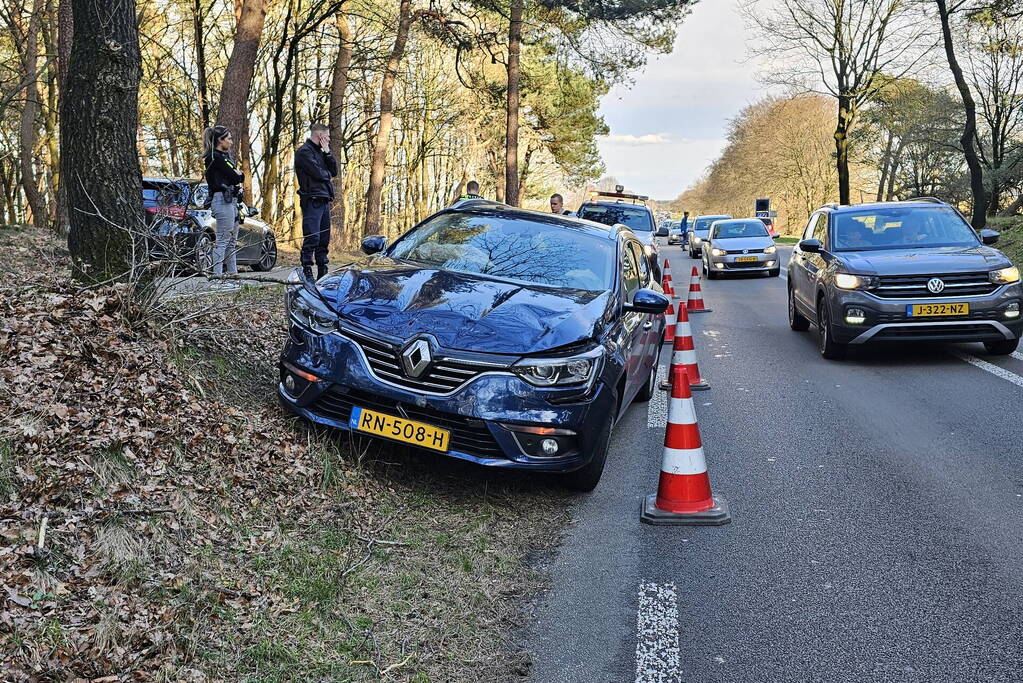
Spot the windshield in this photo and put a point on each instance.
(901, 228)
(637, 218)
(731, 229)
(703, 224)
(533, 252)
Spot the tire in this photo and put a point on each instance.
(709, 274)
(826, 344)
(796, 320)
(268, 255)
(1001, 348)
(202, 254)
(648, 390)
(586, 477)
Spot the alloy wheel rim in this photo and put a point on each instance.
(823, 332)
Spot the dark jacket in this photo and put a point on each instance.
(221, 172)
(314, 169)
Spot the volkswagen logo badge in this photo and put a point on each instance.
(935, 285)
(416, 358)
(745, 251)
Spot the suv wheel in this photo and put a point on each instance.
(827, 346)
(202, 256)
(586, 477)
(1001, 348)
(796, 320)
(268, 255)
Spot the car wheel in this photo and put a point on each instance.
(202, 255)
(268, 255)
(826, 344)
(647, 391)
(774, 273)
(1001, 348)
(586, 477)
(796, 320)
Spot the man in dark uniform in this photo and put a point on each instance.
(472, 191)
(558, 205)
(315, 166)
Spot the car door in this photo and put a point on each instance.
(633, 322)
(649, 341)
(799, 264)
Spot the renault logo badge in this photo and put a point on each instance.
(416, 358)
(935, 285)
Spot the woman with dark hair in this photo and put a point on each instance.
(224, 181)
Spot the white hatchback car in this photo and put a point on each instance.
(739, 245)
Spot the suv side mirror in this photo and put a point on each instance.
(989, 237)
(374, 244)
(811, 246)
(662, 232)
(253, 211)
(647, 301)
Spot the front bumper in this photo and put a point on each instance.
(730, 262)
(475, 414)
(887, 319)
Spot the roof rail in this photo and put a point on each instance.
(931, 200)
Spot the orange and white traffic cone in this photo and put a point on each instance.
(695, 302)
(683, 354)
(666, 284)
(669, 322)
(683, 490)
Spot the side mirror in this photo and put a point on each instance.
(647, 301)
(810, 246)
(253, 211)
(374, 244)
(662, 232)
(989, 237)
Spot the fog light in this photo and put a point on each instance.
(1012, 311)
(550, 446)
(770, 264)
(855, 316)
(289, 384)
(719, 265)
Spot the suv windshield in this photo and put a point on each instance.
(533, 252)
(729, 229)
(637, 218)
(901, 228)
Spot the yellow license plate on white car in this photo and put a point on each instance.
(932, 310)
(745, 259)
(400, 429)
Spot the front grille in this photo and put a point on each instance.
(468, 435)
(744, 251)
(915, 286)
(443, 376)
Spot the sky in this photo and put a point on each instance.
(670, 124)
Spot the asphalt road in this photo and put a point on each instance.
(877, 529)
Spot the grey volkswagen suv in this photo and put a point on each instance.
(902, 271)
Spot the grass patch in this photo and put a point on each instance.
(787, 240)
(8, 476)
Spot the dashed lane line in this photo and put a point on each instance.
(995, 370)
(657, 639)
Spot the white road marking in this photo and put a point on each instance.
(995, 370)
(1017, 355)
(657, 646)
(657, 407)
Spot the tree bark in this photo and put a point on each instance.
(99, 119)
(198, 34)
(234, 94)
(29, 133)
(979, 215)
(511, 140)
(378, 155)
(885, 160)
(65, 35)
(842, 128)
(335, 117)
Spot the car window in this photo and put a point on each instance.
(644, 266)
(630, 273)
(733, 229)
(535, 251)
(808, 232)
(820, 231)
(637, 218)
(902, 228)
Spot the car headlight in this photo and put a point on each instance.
(309, 313)
(1004, 276)
(578, 370)
(847, 281)
(695, 239)
(717, 252)
(771, 249)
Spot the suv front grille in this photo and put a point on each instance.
(444, 375)
(915, 286)
(468, 435)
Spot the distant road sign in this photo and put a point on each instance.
(763, 214)
(762, 204)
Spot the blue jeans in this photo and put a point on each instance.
(315, 230)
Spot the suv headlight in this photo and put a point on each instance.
(1004, 276)
(847, 281)
(717, 252)
(578, 370)
(308, 312)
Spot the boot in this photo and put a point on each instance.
(321, 271)
(307, 272)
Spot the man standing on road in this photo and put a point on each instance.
(684, 228)
(472, 191)
(315, 166)
(558, 205)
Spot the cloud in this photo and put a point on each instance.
(636, 140)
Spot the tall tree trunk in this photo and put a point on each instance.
(234, 94)
(30, 120)
(994, 199)
(886, 157)
(99, 119)
(65, 36)
(198, 35)
(979, 216)
(525, 175)
(511, 138)
(335, 118)
(842, 129)
(378, 156)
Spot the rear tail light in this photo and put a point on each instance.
(172, 211)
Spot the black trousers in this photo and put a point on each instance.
(315, 230)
